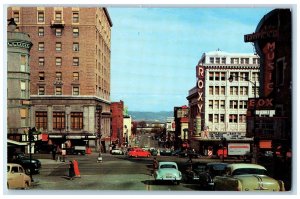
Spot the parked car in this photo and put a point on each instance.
(168, 171)
(247, 177)
(153, 151)
(165, 152)
(16, 177)
(188, 153)
(25, 162)
(176, 152)
(117, 151)
(192, 171)
(138, 152)
(212, 169)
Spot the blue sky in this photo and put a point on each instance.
(155, 51)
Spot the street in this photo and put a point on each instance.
(116, 172)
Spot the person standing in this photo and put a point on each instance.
(53, 152)
(155, 165)
(71, 170)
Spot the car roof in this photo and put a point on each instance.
(13, 164)
(245, 165)
(173, 163)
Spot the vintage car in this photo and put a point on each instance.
(16, 177)
(168, 171)
(138, 152)
(192, 170)
(247, 177)
(117, 151)
(206, 177)
(24, 161)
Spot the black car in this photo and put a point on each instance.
(24, 161)
(192, 171)
(212, 169)
(188, 153)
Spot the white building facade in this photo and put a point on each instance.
(218, 102)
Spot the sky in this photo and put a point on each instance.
(154, 50)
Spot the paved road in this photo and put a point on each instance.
(115, 173)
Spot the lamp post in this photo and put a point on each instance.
(30, 138)
(99, 135)
(255, 139)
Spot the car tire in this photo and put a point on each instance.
(177, 182)
(26, 187)
(27, 171)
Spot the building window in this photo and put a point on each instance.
(75, 17)
(255, 60)
(41, 31)
(16, 16)
(245, 61)
(217, 76)
(75, 76)
(233, 90)
(41, 120)
(222, 104)
(58, 120)
(212, 60)
(23, 89)
(222, 90)
(58, 90)
(242, 118)
(41, 16)
(233, 118)
(75, 61)
(211, 90)
(77, 120)
(243, 104)
(216, 104)
(223, 60)
(58, 32)
(75, 90)
(58, 46)
(223, 76)
(243, 90)
(75, 46)
(255, 76)
(41, 76)
(233, 104)
(211, 76)
(210, 104)
(58, 16)
(41, 90)
(23, 63)
(58, 61)
(234, 60)
(210, 117)
(217, 60)
(216, 118)
(58, 76)
(222, 118)
(41, 61)
(75, 32)
(244, 76)
(41, 46)
(217, 90)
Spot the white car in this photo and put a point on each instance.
(117, 152)
(16, 177)
(168, 171)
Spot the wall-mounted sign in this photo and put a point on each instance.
(19, 44)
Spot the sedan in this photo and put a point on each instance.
(247, 177)
(16, 177)
(138, 152)
(212, 169)
(28, 164)
(192, 171)
(117, 152)
(168, 171)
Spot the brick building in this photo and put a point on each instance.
(117, 124)
(70, 70)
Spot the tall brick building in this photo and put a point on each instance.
(70, 70)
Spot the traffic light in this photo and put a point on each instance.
(30, 134)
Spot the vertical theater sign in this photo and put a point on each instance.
(200, 101)
(272, 41)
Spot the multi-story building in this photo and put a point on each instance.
(117, 122)
(18, 84)
(218, 102)
(70, 70)
(181, 126)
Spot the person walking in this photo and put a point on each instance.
(154, 165)
(71, 170)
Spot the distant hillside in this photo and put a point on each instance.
(151, 116)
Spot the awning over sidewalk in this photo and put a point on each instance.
(11, 143)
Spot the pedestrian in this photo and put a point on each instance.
(63, 153)
(71, 170)
(154, 165)
(53, 152)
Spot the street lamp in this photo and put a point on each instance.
(254, 115)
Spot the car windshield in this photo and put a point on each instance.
(249, 171)
(168, 166)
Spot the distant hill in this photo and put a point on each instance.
(151, 116)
